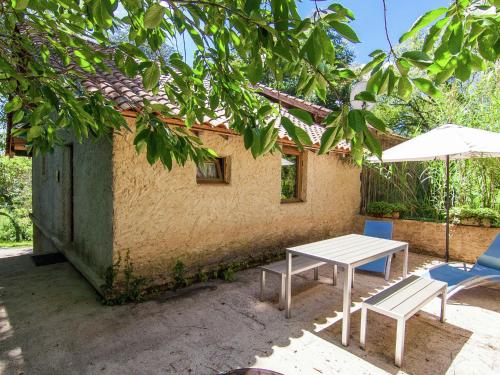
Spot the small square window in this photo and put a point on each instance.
(213, 171)
(291, 176)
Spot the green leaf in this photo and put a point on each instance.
(403, 66)
(254, 70)
(418, 58)
(330, 139)
(34, 132)
(463, 70)
(404, 88)
(280, 14)
(486, 43)
(166, 158)
(423, 21)
(312, 48)
(372, 143)
(456, 38)
(433, 35)
(14, 105)
(248, 137)
(376, 61)
(427, 87)
(374, 121)
(392, 81)
(154, 16)
(374, 82)
(343, 11)
(151, 76)
(365, 96)
(18, 116)
(345, 30)
(302, 115)
(101, 11)
(20, 4)
(346, 73)
(356, 120)
(298, 135)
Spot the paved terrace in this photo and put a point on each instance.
(52, 323)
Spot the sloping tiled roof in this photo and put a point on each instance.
(129, 94)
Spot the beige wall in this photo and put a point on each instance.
(162, 216)
(466, 242)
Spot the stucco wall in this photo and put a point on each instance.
(161, 216)
(466, 242)
(89, 197)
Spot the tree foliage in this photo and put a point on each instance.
(475, 182)
(15, 198)
(45, 51)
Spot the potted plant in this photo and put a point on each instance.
(385, 209)
(397, 210)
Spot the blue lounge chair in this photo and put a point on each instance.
(379, 229)
(458, 277)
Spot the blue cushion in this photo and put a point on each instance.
(379, 229)
(489, 261)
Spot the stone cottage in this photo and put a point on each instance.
(96, 200)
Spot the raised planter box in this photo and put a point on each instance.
(466, 242)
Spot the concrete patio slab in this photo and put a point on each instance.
(51, 322)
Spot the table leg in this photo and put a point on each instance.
(443, 305)
(387, 273)
(400, 341)
(346, 311)
(262, 284)
(362, 335)
(288, 297)
(405, 263)
(282, 292)
(334, 274)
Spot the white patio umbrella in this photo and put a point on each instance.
(447, 142)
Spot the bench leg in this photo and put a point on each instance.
(362, 334)
(352, 281)
(334, 275)
(388, 268)
(316, 273)
(443, 305)
(400, 341)
(262, 284)
(281, 304)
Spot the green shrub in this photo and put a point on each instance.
(130, 289)
(384, 208)
(379, 208)
(458, 214)
(179, 273)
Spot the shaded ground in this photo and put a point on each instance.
(52, 323)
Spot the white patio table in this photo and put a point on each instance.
(348, 252)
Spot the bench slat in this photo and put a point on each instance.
(402, 298)
(299, 264)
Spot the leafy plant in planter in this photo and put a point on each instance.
(474, 216)
(385, 209)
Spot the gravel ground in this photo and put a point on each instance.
(51, 322)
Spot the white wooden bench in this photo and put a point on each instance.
(401, 301)
(299, 265)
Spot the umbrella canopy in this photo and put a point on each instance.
(447, 142)
(454, 141)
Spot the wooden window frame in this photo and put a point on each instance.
(222, 164)
(299, 179)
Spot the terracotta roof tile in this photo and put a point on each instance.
(129, 94)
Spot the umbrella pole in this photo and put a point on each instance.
(447, 206)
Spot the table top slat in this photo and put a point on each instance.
(347, 249)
